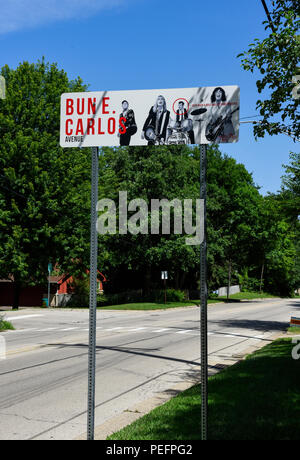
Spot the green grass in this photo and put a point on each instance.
(256, 399)
(150, 305)
(163, 306)
(248, 296)
(157, 306)
(5, 325)
(294, 329)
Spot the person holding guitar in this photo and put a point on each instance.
(220, 127)
(156, 125)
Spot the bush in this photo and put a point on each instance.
(81, 292)
(172, 295)
(5, 325)
(156, 295)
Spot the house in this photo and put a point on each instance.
(61, 291)
(61, 288)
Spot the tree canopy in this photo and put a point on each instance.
(277, 58)
(242, 232)
(45, 203)
(44, 190)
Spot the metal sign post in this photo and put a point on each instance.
(164, 276)
(93, 298)
(203, 297)
(49, 273)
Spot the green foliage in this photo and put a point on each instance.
(155, 295)
(277, 59)
(44, 190)
(45, 206)
(5, 325)
(246, 231)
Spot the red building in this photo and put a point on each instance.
(33, 296)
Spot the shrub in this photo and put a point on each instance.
(156, 295)
(5, 325)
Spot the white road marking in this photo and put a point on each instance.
(14, 318)
(137, 329)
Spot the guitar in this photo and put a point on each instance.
(214, 128)
(151, 136)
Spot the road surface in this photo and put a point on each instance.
(43, 380)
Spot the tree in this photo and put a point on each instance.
(277, 59)
(163, 172)
(233, 207)
(291, 187)
(132, 261)
(44, 190)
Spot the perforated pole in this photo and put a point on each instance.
(203, 297)
(93, 299)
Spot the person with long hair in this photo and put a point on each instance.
(155, 128)
(219, 127)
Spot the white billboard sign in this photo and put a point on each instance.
(203, 115)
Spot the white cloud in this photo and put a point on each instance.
(20, 14)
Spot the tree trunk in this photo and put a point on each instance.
(147, 280)
(229, 279)
(261, 277)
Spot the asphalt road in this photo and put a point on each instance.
(43, 380)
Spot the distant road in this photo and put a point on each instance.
(43, 381)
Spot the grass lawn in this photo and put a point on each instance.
(294, 329)
(152, 305)
(163, 306)
(248, 296)
(256, 399)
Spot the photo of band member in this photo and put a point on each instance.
(155, 129)
(130, 124)
(183, 121)
(220, 127)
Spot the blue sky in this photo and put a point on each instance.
(145, 44)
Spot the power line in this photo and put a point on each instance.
(290, 134)
(268, 16)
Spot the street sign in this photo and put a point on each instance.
(164, 275)
(202, 115)
(2, 87)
